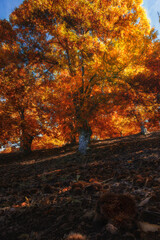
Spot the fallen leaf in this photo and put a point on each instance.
(144, 202)
(147, 227)
(111, 228)
(24, 204)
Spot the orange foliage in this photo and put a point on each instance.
(69, 65)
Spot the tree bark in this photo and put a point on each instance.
(26, 142)
(84, 140)
(143, 129)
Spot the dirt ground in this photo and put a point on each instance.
(50, 193)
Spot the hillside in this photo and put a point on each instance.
(51, 193)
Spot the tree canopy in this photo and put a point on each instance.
(68, 66)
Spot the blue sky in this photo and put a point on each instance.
(151, 6)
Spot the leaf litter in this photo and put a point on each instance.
(57, 193)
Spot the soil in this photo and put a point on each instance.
(51, 193)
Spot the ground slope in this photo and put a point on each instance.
(52, 192)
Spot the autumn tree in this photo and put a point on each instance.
(24, 91)
(147, 84)
(94, 42)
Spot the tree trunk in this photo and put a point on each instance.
(158, 101)
(143, 129)
(26, 143)
(25, 138)
(84, 140)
